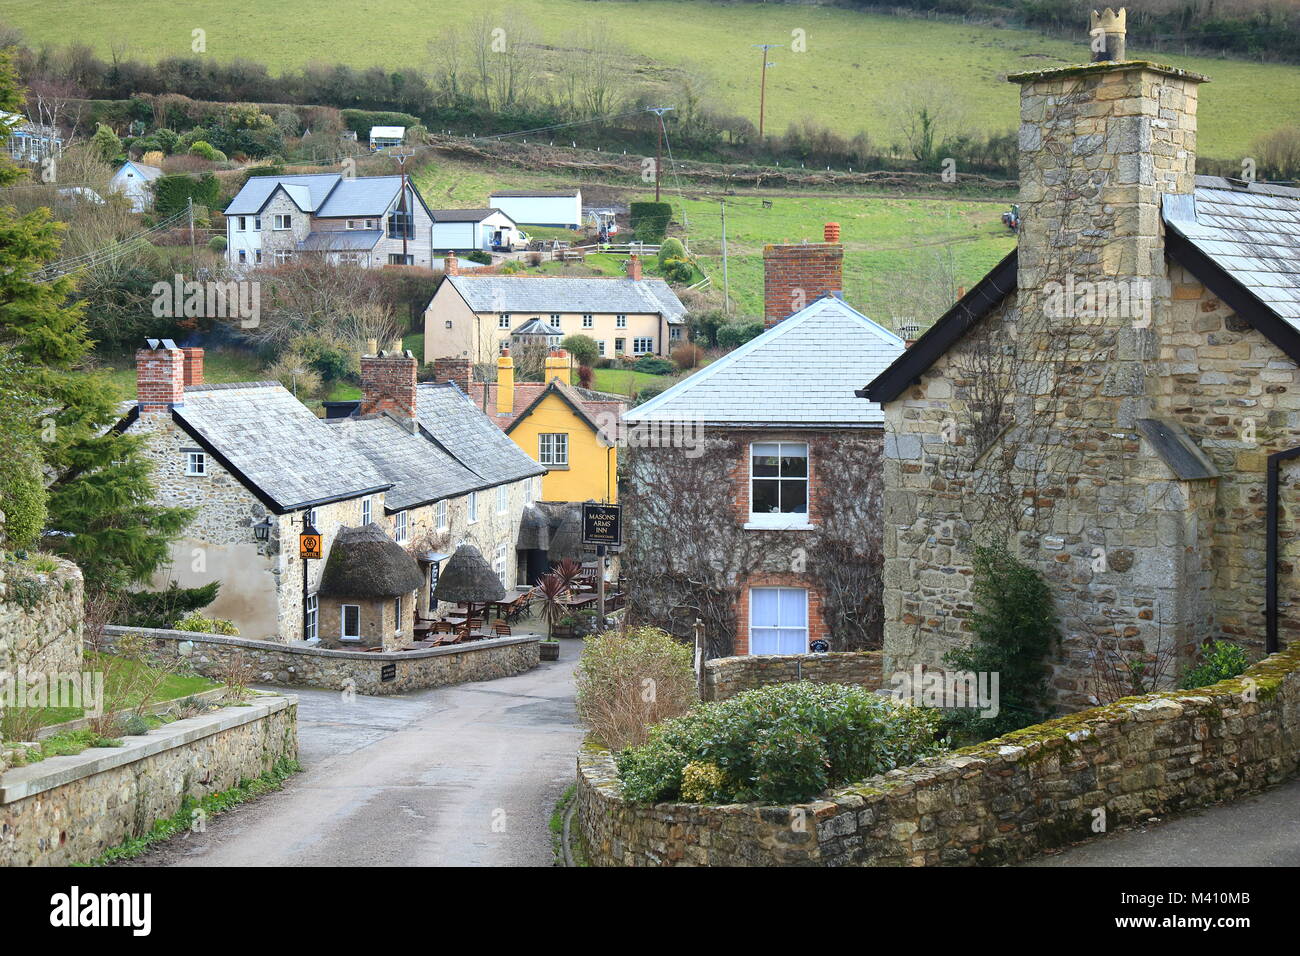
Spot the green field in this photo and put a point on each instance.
(855, 68)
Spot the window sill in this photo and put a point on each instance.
(556, 467)
(351, 640)
(800, 524)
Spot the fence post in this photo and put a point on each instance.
(699, 657)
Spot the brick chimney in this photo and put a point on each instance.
(388, 384)
(505, 383)
(193, 367)
(796, 275)
(453, 369)
(450, 265)
(634, 267)
(159, 376)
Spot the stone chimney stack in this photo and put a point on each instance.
(634, 267)
(795, 275)
(453, 369)
(388, 384)
(1108, 35)
(505, 383)
(450, 265)
(159, 376)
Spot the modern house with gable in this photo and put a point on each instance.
(752, 497)
(473, 316)
(369, 221)
(1117, 402)
(417, 463)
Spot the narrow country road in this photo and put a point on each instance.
(456, 776)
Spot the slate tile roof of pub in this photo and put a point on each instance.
(801, 372)
(539, 294)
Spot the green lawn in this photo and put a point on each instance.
(626, 381)
(219, 366)
(854, 69)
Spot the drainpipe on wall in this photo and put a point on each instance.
(1273, 507)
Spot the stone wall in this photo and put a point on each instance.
(66, 810)
(292, 665)
(40, 621)
(727, 676)
(1002, 800)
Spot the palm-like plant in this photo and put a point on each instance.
(550, 590)
(568, 571)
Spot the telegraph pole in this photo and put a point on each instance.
(762, 83)
(659, 111)
(408, 220)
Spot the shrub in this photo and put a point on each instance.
(677, 270)
(217, 244)
(205, 150)
(687, 356)
(1015, 626)
(199, 624)
(585, 376)
(581, 347)
(735, 334)
(782, 743)
(1220, 660)
(629, 681)
(672, 248)
(162, 608)
(654, 365)
(479, 256)
(649, 220)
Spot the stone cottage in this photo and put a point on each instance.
(753, 495)
(421, 462)
(367, 590)
(1116, 401)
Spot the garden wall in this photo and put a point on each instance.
(298, 665)
(66, 810)
(41, 620)
(1005, 799)
(727, 676)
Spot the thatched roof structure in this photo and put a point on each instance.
(554, 527)
(367, 563)
(469, 578)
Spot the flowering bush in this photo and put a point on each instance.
(778, 744)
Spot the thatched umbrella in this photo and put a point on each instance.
(470, 579)
(367, 563)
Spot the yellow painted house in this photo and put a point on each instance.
(570, 431)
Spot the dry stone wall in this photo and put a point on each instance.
(1006, 799)
(728, 676)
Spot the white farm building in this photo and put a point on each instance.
(560, 208)
(462, 229)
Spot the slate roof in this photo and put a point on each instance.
(1252, 233)
(452, 420)
(420, 470)
(341, 240)
(534, 193)
(537, 327)
(147, 173)
(276, 444)
(595, 405)
(561, 294)
(801, 372)
(328, 195)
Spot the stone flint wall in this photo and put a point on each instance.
(66, 810)
(302, 666)
(43, 634)
(727, 676)
(1005, 799)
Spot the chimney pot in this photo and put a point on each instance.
(795, 275)
(1108, 35)
(634, 267)
(831, 232)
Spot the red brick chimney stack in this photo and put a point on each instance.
(634, 267)
(159, 376)
(453, 369)
(795, 275)
(450, 265)
(388, 384)
(193, 367)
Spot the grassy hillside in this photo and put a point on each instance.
(855, 68)
(885, 239)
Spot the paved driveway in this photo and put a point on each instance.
(1263, 830)
(457, 776)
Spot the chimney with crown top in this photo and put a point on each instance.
(1108, 35)
(388, 384)
(795, 275)
(634, 267)
(159, 376)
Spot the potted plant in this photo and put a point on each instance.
(550, 591)
(566, 626)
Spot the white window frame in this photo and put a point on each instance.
(620, 321)
(473, 507)
(257, 223)
(196, 464)
(283, 255)
(554, 453)
(503, 321)
(313, 616)
(643, 345)
(257, 256)
(343, 623)
(588, 320)
(400, 528)
(281, 221)
(311, 518)
(499, 562)
(241, 224)
(440, 515)
(555, 320)
(397, 614)
(367, 513)
(503, 499)
(675, 332)
(778, 626)
(600, 346)
(786, 519)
